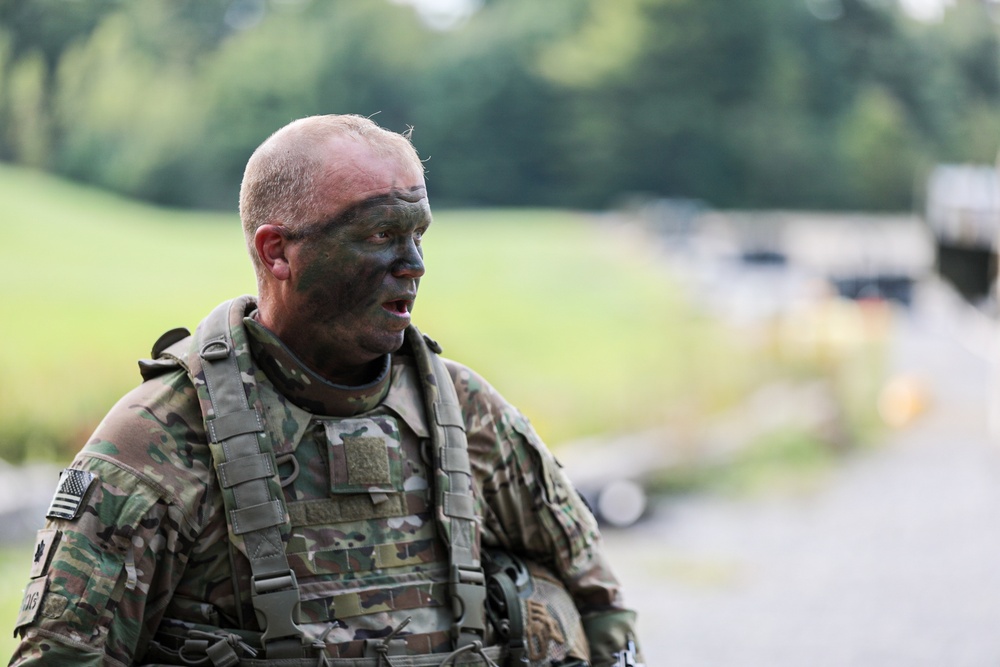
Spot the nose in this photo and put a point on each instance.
(410, 263)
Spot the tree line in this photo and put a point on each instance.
(830, 104)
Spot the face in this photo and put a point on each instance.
(356, 269)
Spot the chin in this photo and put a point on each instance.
(386, 343)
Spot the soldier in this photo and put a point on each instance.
(305, 480)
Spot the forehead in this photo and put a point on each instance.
(354, 172)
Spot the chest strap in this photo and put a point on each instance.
(455, 504)
(244, 461)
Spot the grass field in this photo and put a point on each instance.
(573, 321)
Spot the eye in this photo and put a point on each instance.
(418, 235)
(380, 236)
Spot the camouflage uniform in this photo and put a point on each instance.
(150, 547)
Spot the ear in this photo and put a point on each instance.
(272, 247)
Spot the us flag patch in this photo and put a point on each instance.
(73, 486)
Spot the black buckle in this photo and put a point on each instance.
(276, 600)
(468, 600)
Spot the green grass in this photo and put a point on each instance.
(88, 282)
(575, 322)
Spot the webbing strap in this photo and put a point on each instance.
(253, 499)
(241, 470)
(224, 427)
(453, 494)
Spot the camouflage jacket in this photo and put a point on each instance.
(148, 546)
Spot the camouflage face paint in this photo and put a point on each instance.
(357, 278)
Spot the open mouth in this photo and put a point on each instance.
(399, 306)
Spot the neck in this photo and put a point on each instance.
(310, 349)
(304, 387)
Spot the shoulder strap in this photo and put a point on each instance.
(244, 462)
(453, 487)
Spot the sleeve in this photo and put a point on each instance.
(113, 548)
(532, 508)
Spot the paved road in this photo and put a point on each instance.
(894, 562)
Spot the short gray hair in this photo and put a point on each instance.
(278, 183)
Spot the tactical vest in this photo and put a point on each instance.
(259, 525)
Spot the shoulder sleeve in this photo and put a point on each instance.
(531, 507)
(105, 566)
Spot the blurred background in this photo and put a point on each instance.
(735, 260)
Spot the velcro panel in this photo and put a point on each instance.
(354, 507)
(448, 414)
(244, 469)
(367, 461)
(256, 517)
(460, 506)
(235, 423)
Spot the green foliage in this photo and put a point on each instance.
(882, 154)
(90, 281)
(565, 103)
(29, 138)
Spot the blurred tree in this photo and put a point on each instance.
(882, 152)
(683, 71)
(484, 117)
(301, 59)
(49, 27)
(567, 103)
(121, 110)
(25, 95)
(961, 62)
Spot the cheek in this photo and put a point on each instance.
(344, 284)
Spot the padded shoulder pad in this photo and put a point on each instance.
(151, 368)
(168, 339)
(162, 360)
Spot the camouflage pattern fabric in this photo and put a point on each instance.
(149, 553)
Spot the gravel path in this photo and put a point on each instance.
(895, 561)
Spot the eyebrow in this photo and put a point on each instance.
(351, 213)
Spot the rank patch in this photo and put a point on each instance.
(47, 538)
(73, 486)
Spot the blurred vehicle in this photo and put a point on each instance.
(962, 208)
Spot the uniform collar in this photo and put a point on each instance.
(300, 385)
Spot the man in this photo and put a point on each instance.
(304, 480)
